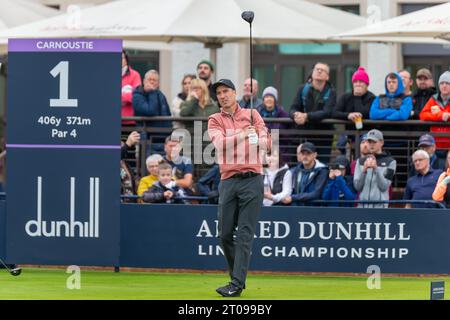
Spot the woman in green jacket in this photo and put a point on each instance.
(198, 102)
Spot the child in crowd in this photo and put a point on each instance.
(165, 189)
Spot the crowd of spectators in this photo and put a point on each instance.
(316, 175)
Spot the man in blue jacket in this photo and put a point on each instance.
(308, 177)
(421, 186)
(149, 101)
(394, 105)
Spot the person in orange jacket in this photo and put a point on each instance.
(442, 192)
(438, 109)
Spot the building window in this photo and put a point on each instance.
(310, 48)
(142, 61)
(291, 77)
(287, 66)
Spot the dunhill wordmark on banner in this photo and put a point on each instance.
(71, 228)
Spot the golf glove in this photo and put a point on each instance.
(253, 138)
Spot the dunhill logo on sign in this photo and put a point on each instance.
(71, 228)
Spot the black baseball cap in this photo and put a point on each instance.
(308, 147)
(224, 82)
(341, 162)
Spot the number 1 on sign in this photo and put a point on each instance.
(62, 69)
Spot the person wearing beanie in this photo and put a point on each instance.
(269, 108)
(425, 89)
(438, 109)
(205, 70)
(355, 104)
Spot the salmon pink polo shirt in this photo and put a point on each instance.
(233, 152)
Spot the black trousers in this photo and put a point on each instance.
(240, 202)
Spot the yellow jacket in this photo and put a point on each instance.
(145, 183)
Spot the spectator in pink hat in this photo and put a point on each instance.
(355, 104)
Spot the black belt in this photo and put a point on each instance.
(245, 175)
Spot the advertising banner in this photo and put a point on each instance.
(292, 239)
(63, 151)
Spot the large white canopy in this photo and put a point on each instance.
(206, 21)
(432, 22)
(18, 12)
(14, 13)
(212, 22)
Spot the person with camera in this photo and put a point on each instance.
(374, 173)
(339, 185)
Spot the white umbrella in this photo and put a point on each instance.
(18, 12)
(399, 39)
(212, 22)
(432, 22)
(14, 13)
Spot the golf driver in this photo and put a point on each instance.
(13, 272)
(249, 16)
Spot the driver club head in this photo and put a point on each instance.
(15, 271)
(248, 16)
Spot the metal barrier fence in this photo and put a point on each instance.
(323, 203)
(401, 138)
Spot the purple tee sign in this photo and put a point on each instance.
(63, 142)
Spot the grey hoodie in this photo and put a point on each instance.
(374, 184)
